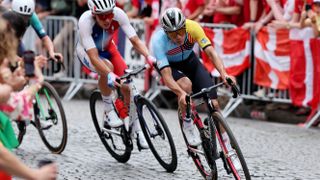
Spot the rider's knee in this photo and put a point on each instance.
(185, 84)
(215, 104)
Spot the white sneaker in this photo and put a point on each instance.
(142, 140)
(235, 160)
(111, 119)
(189, 131)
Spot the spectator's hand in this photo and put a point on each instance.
(248, 25)
(38, 64)
(257, 26)
(278, 24)
(47, 172)
(148, 21)
(41, 61)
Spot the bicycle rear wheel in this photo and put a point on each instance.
(224, 154)
(202, 155)
(48, 107)
(157, 134)
(115, 140)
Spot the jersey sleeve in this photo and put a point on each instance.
(37, 26)
(124, 23)
(197, 33)
(159, 51)
(85, 31)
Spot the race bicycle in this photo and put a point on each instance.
(47, 106)
(119, 141)
(210, 129)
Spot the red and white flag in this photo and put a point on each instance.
(272, 58)
(305, 68)
(232, 46)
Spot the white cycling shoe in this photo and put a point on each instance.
(142, 140)
(189, 131)
(235, 160)
(111, 119)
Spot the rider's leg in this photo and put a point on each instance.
(188, 125)
(110, 116)
(119, 67)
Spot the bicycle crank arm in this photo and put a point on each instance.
(112, 131)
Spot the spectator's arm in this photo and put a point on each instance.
(82, 2)
(276, 9)
(133, 12)
(196, 13)
(10, 164)
(5, 91)
(253, 10)
(231, 10)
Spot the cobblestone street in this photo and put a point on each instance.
(272, 151)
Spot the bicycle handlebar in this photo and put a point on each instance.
(133, 72)
(59, 62)
(205, 91)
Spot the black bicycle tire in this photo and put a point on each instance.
(21, 133)
(120, 158)
(194, 158)
(59, 149)
(219, 119)
(172, 166)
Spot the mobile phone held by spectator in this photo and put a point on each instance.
(28, 58)
(308, 7)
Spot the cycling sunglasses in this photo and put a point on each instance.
(174, 34)
(105, 16)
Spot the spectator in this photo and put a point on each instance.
(9, 163)
(227, 11)
(193, 9)
(310, 17)
(140, 9)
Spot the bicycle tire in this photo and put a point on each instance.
(96, 96)
(161, 130)
(20, 130)
(220, 120)
(213, 173)
(49, 90)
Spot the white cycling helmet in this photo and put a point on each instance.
(172, 20)
(24, 7)
(101, 6)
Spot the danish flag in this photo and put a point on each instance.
(233, 48)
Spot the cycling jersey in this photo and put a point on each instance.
(93, 36)
(37, 26)
(165, 51)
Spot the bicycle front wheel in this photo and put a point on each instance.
(240, 172)
(49, 112)
(157, 134)
(115, 140)
(202, 155)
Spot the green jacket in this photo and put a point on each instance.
(7, 135)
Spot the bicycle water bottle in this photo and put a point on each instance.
(121, 108)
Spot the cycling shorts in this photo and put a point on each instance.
(195, 71)
(112, 55)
